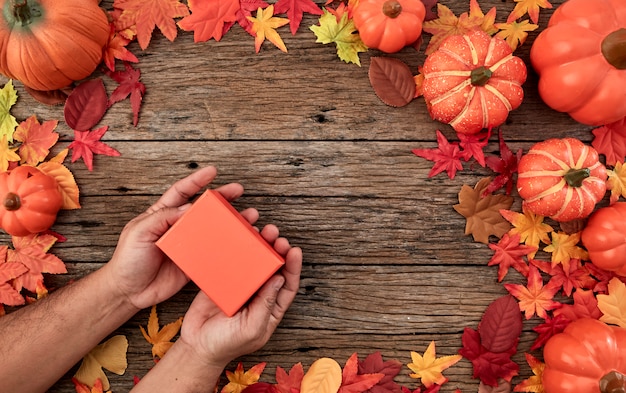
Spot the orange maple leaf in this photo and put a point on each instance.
(352, 381)
(207, 18)
(534, 298)
(9, 271)
(146, 15)
(31, 251)
(616, 182)
(65, 180)
(448, 24)
(83, 388)
(613, 305)
(529, 226)
(264, 25)
(533, 383)
(564, 247)
(515, 33)
(37, 139)
(239, 380)
(160, 339)
(528, 6)
(483, 213)
(430, 368)
(116, 49)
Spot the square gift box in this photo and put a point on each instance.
(220, 252)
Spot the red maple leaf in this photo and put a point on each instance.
(32, 252)
(488, 366)
(9, 271)
(352, 381)
(144, 16)
(473, 145)
(294, 10)
(373, 364)
(505, 166)
(576, 277)
(447, 156)
(116, 49)
(207, 18)
(129, 84)
(602, 276)
(508, 252)
(534, 298)
(260, 387)
(246, 8)
(610, 140)
(549, 328)
(86, 143)
(585, 306)
(289, 383)
(430, 6)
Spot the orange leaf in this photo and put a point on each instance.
(534, 298)
(533, 383)
(160, 339)
(324, 376)
(483, 214)
(37, 139)
(10, 271)
(65, 179)
(31, 251)
(7, 154)
(613, 305)
(430, 368)
(144, 16)
(110, 355)
(116, 49)
(83, 388)
(528, 6)
(264, 25)
(239, 379)
(564, 248)
(353, 382)
(617, 182)
(515, 33)
(208, 18)
(529, 226)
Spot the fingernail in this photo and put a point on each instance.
(279, 283)
(184, 207)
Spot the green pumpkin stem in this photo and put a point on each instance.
(23, 12)
(614, 49)
(12, 202)
(480, 76)
(575, 177)
(613, 382)
(392, 8)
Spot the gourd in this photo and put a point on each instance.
(581, 60)
(473, 81)
(30, 201)
(589, 356)
(48, 44)
(561, 178)
(603, 237)
(389, 25)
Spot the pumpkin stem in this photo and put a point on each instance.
(480, 76)
(613, 382)
(12, 202)
(392, 8)
(24, 13)
(614, 49)
(575, 177)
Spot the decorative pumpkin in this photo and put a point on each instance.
(581, 60)
(30, 201)
(389, 25)
(472, 81)
(561, 178)
(589, 356)
(603, 237)
(48, 44)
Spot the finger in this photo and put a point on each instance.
(270, 233)
(156, 224)
(231, 191)
(282, 246)
(263, 305)
(181, 191)
(291, 272)
(251, 215)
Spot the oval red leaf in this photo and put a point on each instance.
(501, 325)
(392, 81)
(86, 105)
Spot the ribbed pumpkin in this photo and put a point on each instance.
(48, 44)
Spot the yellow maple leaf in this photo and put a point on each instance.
(110, 355)
(7, 154)
(160, 339)
(534, 383)
(616, 182)
(264, 25)
(529, 227)
(528, 6)
(342, 33)
(515, 33)
(8, 98)
(448, 24)
(430, 368)
(564, 247)
(239, 380)
(613, 305)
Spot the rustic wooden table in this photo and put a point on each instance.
(386, 264)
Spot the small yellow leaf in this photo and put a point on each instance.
(429, 368)
(239, 380)
(617, 182)
(529, 227)
(7, 154)
(324, 376)
(8, 98)
(110, 355)
(160, 339)
(264, 26)
(515, 33)
(564, 248)
(613, 305)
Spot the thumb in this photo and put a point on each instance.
(263, 305)
(154, 225)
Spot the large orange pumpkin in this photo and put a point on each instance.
(48, 44)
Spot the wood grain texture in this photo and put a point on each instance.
(387, 265)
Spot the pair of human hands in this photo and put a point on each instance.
(144, 275)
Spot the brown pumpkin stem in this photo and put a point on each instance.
(480, 76)
(575, 177)
(613, 382)
(614, 49)
(392, 8)
(12, 202)
(23, 12)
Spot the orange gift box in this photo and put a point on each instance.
(220, 251)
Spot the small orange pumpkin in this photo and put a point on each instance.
(48, 44)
